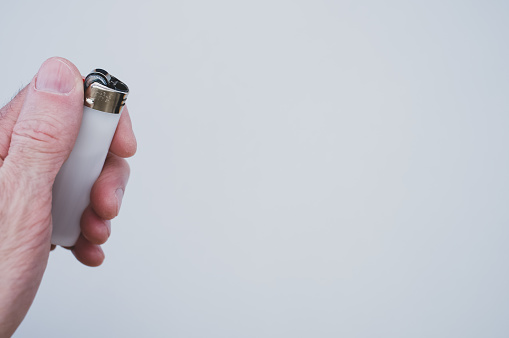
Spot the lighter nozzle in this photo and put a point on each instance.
(105, 92)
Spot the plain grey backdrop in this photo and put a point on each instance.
(305, 168)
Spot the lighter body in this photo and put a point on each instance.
(104, 99)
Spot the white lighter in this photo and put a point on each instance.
(105, 97)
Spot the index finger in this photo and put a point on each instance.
(124, 142)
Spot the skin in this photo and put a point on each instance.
(37, 132)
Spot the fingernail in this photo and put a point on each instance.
(55, 76)
(120, 194)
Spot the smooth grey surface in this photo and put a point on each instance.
(305, 168)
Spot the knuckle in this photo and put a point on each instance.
(43, 134)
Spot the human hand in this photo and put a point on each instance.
(37, 132)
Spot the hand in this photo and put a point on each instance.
(37, 132)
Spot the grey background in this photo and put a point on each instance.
(305, 168)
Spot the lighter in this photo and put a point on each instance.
(105, 97)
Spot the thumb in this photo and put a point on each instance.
(48, 123)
